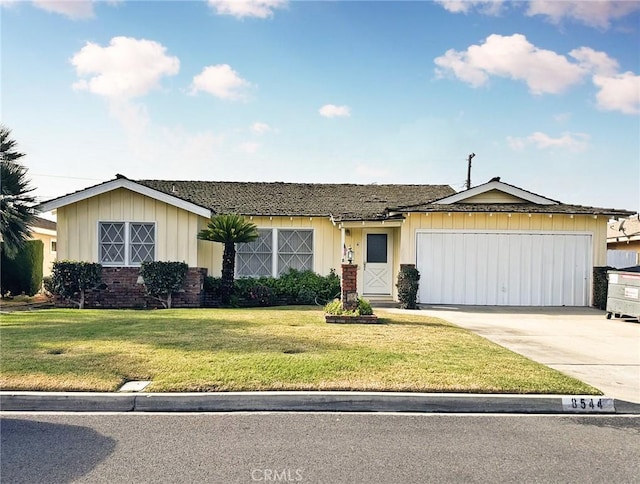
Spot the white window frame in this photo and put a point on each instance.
(127, 242)
(274, 250)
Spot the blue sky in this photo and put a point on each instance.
(546, 94)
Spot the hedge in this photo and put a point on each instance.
(23, 274)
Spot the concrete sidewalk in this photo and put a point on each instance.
(577, 341)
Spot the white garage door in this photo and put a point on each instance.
(504, 268)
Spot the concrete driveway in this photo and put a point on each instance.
(577, 341)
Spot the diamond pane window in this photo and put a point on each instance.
(295, 250)
(142, 242)
(254, 259)
(112, 243)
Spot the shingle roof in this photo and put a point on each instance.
(43, 223)
(630, 228)
(560, 208)
(342, 201)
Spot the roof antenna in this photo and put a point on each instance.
(468, 184)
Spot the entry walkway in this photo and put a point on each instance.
(577, 341)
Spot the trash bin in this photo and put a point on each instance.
(623, 294)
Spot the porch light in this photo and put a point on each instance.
(350, 255)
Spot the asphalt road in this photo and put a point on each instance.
(319, 448)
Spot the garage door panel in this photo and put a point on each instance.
(504, 268)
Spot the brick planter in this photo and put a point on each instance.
(368, 319)
(123, 291)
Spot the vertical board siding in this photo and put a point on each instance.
(504, 268)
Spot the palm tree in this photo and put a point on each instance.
(228, 229)
(17, 206)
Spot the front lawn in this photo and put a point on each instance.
(288, 348)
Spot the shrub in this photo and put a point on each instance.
(293, 287)
(335, 308)
(72, 279)
(162, 279)
(408, 286)
(23, 273)
(600, 286)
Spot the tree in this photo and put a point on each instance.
(17, 206)
(162, 279)
(229, 229)
(71, 280)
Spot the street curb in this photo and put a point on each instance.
(303, 402)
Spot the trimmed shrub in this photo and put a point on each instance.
(600, 286)
(162, 279)
(408, 286)
(23, 273)
(71, 280)
(294, 287)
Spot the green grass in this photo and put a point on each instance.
(258, 349)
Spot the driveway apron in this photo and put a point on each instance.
(577, 341)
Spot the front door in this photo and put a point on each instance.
(378, 265)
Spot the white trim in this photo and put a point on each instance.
(499, 231)
(127, 241)
(496, 185)
(129, 185)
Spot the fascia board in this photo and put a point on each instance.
(496, 185)
(129, 185)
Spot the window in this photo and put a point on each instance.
(275, 252)
(295, 250)
(54, 246)
(254, 259)
(126, 243)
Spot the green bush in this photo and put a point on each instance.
(71, 280)
(163, 279)
(408, 286)
(335, 308)
(600, 286)
(23, 273)
(294, 287)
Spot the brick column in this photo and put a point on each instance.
(349, 286)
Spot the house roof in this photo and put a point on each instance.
(624, 230)
(43, 223)
(524, 201)
(341, 202)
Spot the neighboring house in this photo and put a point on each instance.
(493, 244)
(623, 242)
(45, 230)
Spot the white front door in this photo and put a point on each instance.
(378, 263)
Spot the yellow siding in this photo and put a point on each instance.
(78, 226)
(48, 255)
(494, 196)
(597, 226)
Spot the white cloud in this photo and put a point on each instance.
(594, 61)
(74, 9)
(221, 81)
(247, 8)
(575, 142)
(592, 13)
(126, 69)
(371, 173)
(489, 7)
(619, 93)
(260, 128)
(512, 57)
(333, 111)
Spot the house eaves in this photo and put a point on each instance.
(122, 182)
(495, 184)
